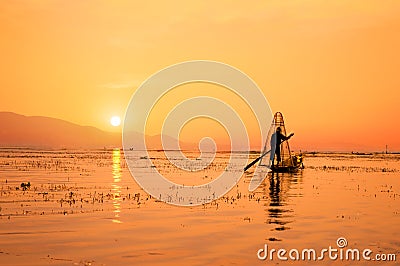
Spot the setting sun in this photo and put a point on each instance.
(115, 121)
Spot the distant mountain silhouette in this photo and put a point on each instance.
(44, 132)
(51, 133)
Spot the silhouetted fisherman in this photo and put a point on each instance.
(276, 141)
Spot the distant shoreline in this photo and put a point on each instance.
(368, 153)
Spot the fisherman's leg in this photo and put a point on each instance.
(278, 157)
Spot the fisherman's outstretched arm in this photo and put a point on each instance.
(288, 137)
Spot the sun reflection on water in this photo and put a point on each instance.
(116, 187)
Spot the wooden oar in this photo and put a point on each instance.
(256, 160)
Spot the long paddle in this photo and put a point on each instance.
(256, 160)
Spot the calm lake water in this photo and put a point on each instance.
(84, 208)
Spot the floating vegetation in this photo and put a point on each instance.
(353, 168)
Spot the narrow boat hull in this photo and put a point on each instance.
(285, 169)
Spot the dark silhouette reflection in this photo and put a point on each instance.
(279, 209)
(275, 189)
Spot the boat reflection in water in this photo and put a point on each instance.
(116, 187)
(280, 192)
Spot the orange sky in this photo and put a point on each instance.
(331, 67)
